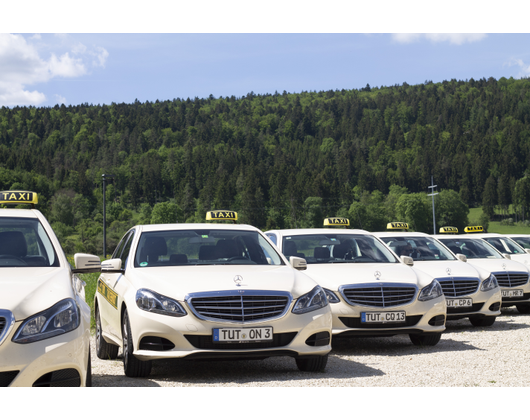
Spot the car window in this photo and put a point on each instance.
(420, 248)
(336, 248)
(24, 242)
(204, 247)
(506, 245)
(471, 248)
(126, 250)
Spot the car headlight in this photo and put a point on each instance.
(311, 301)
(149, 301)
(59, 319)
(432, 291)
(489, 283)
(332, 297)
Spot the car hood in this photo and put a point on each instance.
(178, 282)
(331, 276)
(499, 265)
(521, 258)
(27, 291)
(457, 268)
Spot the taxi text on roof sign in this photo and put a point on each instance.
(397, 225)
(18, 197)
(221, 215)
(448, 229)
(336, 221)
(469, 229)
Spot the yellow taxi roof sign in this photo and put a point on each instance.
(336, 221)
(471, 229)
(221, 215)
(448, 229)
(18, 197)
(397, 225)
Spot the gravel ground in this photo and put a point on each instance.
(466, 356)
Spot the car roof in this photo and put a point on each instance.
(190, 226)
(32, 213)
(309, 231)
(397, 233)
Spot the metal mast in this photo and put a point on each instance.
(432, 187)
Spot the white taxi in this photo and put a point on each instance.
(372, 292)
(44, 319)
(512, 276)
(207, 291)
(503, 244)
(471, 292)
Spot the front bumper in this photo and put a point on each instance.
(421, 318)
(57, 361)
(484, 304)
(160, 337)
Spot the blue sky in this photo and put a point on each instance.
(104, 55)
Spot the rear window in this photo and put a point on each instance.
(25, 243)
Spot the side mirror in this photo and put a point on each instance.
(461, 257)
(407, 260)
(298, 263)
(112, 266)
(86, 263)
(507, 256)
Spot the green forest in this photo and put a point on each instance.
(279, 160)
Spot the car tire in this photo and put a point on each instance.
(425, 339)
(133, 367)
(312, 364)
(523, 308)
(88, 380)
(486, 321)
(104, 350)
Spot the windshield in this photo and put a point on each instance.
(24, 242)
(420, 248)
(204, 247)
(337, 248)
(523, 241)
(505, 245)
(471, 248)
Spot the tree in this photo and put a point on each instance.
(166, 212)
(489, 197)
(414, 210)
(451, 210)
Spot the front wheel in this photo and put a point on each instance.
(486, 321)
(133, 367)
(425, 339)
(523, 308)
(312, 364)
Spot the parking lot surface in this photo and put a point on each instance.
(467, 356)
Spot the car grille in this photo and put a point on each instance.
(513, 279)
(458, 286)
(236, 307)
(379, 296)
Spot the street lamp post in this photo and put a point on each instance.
(432, 187)
(105, 177)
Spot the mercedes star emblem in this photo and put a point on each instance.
(377, 275)
(238, 280)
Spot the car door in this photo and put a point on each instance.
(110, 299)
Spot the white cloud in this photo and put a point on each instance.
(524, 68)
(22, 63)
(457, 39)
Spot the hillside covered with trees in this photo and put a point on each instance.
(280, 160)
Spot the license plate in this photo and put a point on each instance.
(240, 335)
(459, 303)
(383, 317)
(512, 293)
